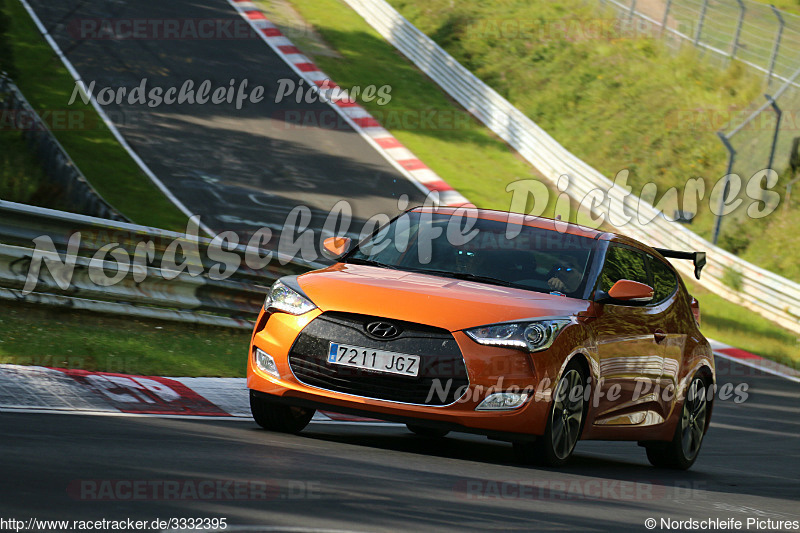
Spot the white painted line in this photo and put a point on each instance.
(767, 369)
(114, 131)
(753, 430)
(232, 418)
(46, 411)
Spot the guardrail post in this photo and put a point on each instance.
(632, 10)
(700, 22)
(726, 187)
(777, 45)
(794, 165)
(665, 18)
(739, 24)
(779, 114)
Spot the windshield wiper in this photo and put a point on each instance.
(483, 279)
(466, 276)
(368, 262)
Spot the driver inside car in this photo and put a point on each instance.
(565, 278)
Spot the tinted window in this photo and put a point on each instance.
(523, 256)
(622, 263)
(663, 279)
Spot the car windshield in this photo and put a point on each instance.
(476, 249)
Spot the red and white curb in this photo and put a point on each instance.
(754, 361)
(355, 115)
(70, 391)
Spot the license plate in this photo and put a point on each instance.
(375, 360)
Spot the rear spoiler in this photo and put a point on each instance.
(698, 258)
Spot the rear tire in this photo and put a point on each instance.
(273, 416)
(564, 422)
(424, 431)
(682, 451)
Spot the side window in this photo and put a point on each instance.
(622, 263)
(664, 280)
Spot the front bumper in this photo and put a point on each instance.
(487, 369)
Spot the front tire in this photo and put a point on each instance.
(273, 416)
(682, 451)
(564, 423)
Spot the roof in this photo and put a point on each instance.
(518, 218)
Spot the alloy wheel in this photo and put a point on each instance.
(567, 413)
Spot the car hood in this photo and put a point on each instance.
(428, 299)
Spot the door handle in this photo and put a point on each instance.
(659, 335)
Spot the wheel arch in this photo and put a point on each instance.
(703, 370)
(709, 377)
(584, 360)
(589, 369)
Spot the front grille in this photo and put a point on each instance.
(441, 366)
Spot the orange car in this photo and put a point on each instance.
(521, 328)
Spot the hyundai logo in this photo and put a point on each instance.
(383, 330)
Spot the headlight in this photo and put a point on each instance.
(282, 298)
(532, 336)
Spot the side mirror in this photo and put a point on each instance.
(337, 246)
(626, 290)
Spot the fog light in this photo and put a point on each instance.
(500, 401)
(265, 362)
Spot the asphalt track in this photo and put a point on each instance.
(361, 477)
(239, 169)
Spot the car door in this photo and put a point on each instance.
(671, 328)
(627, 335)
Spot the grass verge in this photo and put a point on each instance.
(790, 6)
(22, 178)
(35, 335)
(47, 85)
(740, 327)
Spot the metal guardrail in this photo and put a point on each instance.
(764, 292)
(144, 291)
(57, 164)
